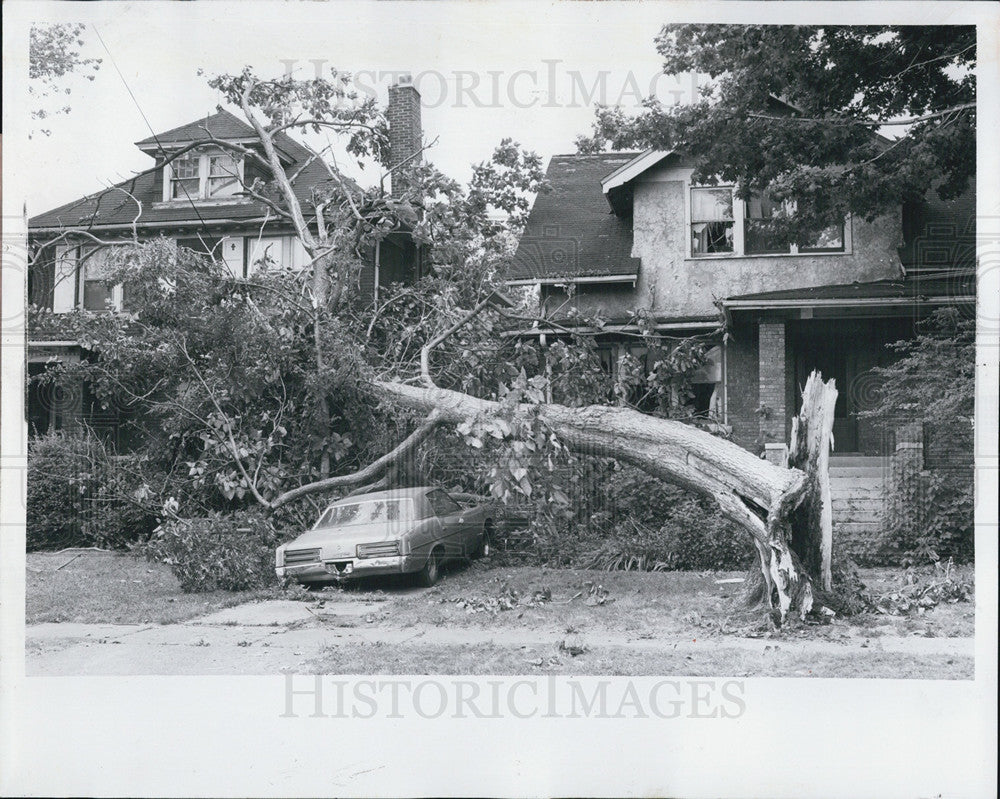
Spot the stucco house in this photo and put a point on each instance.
(197, 200)
(629, 232)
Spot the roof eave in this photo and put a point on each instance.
(630, 171)
(573, 279)
(845, 302)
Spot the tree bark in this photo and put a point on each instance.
(781, 508)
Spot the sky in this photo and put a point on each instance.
(530, 72)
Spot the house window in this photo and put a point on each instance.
(185, 183)
(721, 225)
(759, 236)
(223, 176)
(829, 239)
(96, 292)
(712, 221)
(204, 175)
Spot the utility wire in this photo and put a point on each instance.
(163, 152)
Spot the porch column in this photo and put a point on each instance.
(771, 372)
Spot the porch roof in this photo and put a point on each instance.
(938, 288)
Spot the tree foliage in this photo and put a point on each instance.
(797, 112)
(246, 390)
(931, 388)
(54, 54)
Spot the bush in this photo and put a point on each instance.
(931, 386)
(931, 516)
(233, 552)
(693, 536)
(79, 494)
(624, 520)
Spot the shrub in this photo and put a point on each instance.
(233, 552)
(930, 516)
(931, 386)
(693, 536)
(624, 520)
(79, 494)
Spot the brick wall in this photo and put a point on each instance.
(403, 115)
(741, 393)
(772, 380)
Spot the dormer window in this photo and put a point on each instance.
(203, 175)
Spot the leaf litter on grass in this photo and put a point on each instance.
(507, 599)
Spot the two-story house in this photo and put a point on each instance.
(626, 232)
(198, 200)
(630, 232)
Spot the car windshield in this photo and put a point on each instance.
(370, 511)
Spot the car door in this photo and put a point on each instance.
(453, 523)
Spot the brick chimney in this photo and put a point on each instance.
(405, 134)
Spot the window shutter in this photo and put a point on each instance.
(64, 283)
(298, 257)
(232, 255)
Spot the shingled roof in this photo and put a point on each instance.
(118, 206)
(220, 125)
(571, 231)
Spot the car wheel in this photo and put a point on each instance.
(485, 548)
(431, 573)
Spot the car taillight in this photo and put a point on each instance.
(379, 550)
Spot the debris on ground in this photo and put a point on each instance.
(920, 593)
(553, 660)
(507, 599)
(572, 648)
(597, 595)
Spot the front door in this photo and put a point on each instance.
(833, 349)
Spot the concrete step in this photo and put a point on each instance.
(858, 492)
(841, 472)
(857, 460)
(856, 528)
(867, 522)
(875, 497)
(851, 515)
(869, 502)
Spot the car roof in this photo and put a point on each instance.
(392, 493)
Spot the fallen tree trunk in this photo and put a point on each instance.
(761, 497)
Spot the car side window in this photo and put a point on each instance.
(442, 504)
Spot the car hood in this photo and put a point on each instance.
(358, 533)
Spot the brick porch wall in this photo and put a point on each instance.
(772, 380)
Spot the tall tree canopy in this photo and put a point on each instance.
(800, 111)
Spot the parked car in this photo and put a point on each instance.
(388, 532)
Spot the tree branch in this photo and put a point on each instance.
(875, 123)
(369, 472)
(425, 351)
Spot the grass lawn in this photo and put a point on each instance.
(646, 603)
(111, 588)
(485, 618)
(116, 588)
